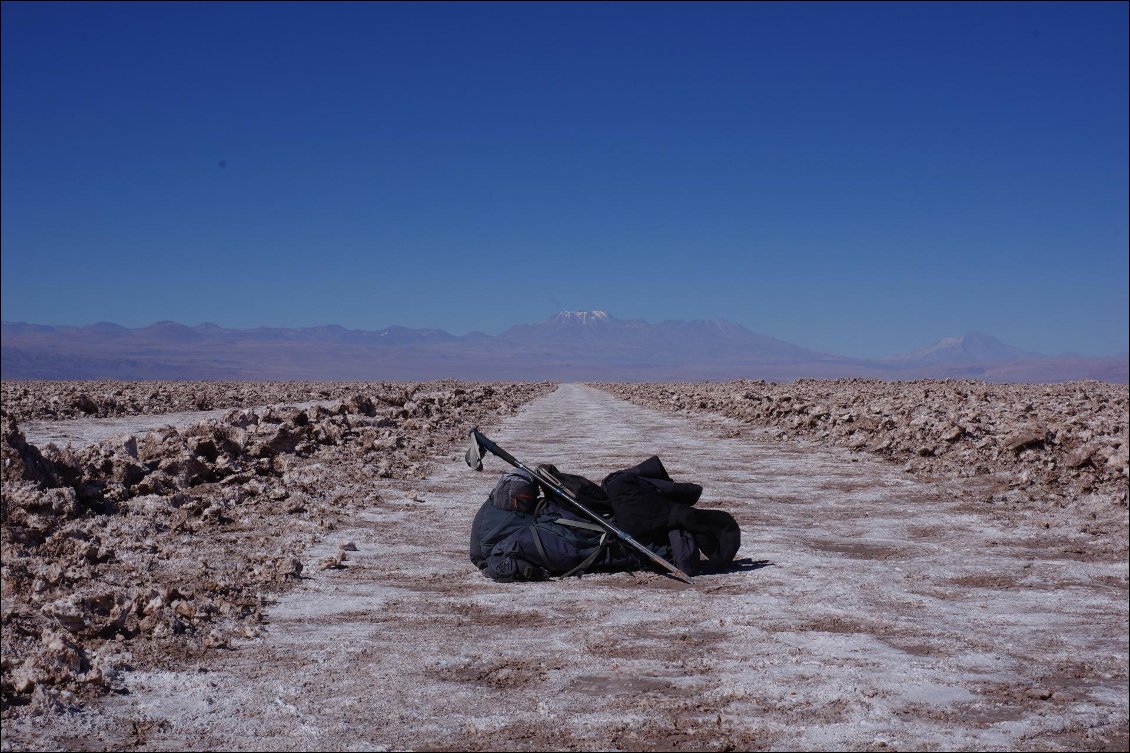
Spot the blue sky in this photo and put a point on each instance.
(856, 178)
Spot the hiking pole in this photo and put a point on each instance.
(480, 445)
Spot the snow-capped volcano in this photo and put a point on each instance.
(972, 347)
(578, 317)
(597, 332)
(571, 328)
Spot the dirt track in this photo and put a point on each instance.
(871, 612)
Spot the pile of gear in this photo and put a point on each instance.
(541, 524)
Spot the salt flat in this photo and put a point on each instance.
(868, 611)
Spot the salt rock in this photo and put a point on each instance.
(1027, 438)
(289, 567)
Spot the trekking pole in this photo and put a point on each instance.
(474, 459)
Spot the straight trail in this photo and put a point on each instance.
(868, 611)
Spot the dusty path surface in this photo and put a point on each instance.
(871, 613)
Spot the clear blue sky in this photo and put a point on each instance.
(856, 178)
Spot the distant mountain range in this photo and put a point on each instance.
(572, 345)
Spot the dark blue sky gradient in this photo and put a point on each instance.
(855, 178)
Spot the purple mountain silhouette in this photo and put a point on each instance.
(573, 345)
(598, 333)
(973, 347)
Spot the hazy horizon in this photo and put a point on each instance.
(459, 334)
(863, 179)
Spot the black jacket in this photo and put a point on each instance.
(648, 505)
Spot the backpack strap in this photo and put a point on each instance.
(579, 569)
(582, 524)
(538, 544)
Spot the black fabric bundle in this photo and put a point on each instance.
(649, 505)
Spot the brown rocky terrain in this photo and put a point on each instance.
(869, 608)
(143, 551)
(32, 400)
(1035, 447)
